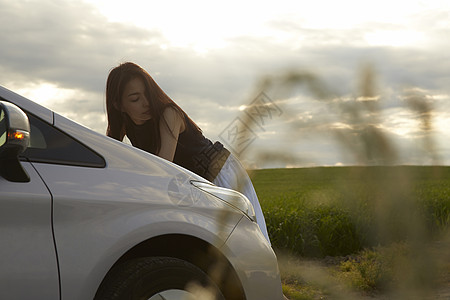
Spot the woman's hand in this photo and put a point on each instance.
(171, 125)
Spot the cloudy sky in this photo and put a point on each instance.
(281, 83)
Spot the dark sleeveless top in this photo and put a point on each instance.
(194, 151)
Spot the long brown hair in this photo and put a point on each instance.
(158, 101)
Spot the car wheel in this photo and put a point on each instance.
(157, 278)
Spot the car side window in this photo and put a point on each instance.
(50, 145)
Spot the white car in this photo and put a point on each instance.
(83, 216)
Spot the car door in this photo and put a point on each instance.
(68, 168)
(28, 262)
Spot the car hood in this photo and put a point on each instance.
(119, 154)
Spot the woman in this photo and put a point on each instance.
(138, 108)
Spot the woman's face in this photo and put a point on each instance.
(135, 103)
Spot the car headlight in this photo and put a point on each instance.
(230, 197)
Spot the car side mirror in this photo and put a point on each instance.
(14, 139)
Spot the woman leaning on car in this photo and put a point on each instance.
(138, 108)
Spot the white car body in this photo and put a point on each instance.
(63, 231)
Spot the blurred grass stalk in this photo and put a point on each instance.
(394, 209)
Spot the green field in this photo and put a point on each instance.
(370, 224)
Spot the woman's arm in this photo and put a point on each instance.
(170, 132)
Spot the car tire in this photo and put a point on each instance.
(154, 278)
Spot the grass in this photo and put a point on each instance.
(366, 230)
(321, 212)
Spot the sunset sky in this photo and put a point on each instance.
(212, 56)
